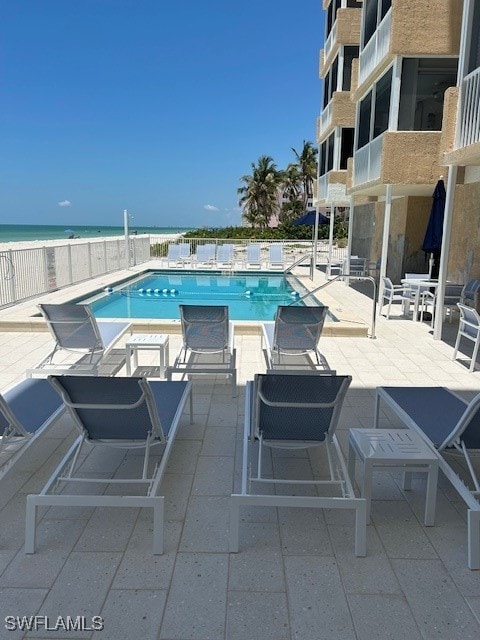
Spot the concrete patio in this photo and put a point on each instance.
(296, 575)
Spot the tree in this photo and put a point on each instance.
(307, 167)
(259, 193)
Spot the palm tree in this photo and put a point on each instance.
(259, 194)
(307, 166)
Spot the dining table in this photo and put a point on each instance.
(417, 287)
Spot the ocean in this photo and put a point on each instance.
(26, 232)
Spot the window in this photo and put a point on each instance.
(346, 150)
(364, 120)
(474, 58)
(374, 11)
(374, 111)
(330, 83)
(423, 85)
(349, 53)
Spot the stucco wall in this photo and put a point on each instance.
(464, 257)
(429, 27)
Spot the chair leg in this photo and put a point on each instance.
(457, 344)
(474, 354)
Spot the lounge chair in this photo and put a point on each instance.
(452, 427)
(26, 410)
(185, 253)
(126, 413)
(294, 411)
(295, 332)
(207, 343)
(225, 256)
(468, 327)
(174, 255)
(75, 329)
(275, 257)
(205, 256)
(253, 259)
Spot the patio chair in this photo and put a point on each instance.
(207, 343)
(450, 426)
(450, 301)
(174, 255)
(295, 332)
(393, 293)
(253, 259)
(185, 253)
(289, 411)
(205, 256)
(225, 256)
(357, 267)
(27, 409)
(468, 327)
(275, 257)
(75, 329)
(470, 293)
(125, 413)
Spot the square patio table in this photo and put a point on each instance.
(147, 341)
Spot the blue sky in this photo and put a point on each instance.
(151, 106)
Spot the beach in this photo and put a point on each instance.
(35, 244)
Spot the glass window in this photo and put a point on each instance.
(346, 150)
(349, 53)
(385, 7)
(322, 159)
(354, 4)
(370, 19)
(474, 58)
(382, 104)
(330, 148)
(364, 121)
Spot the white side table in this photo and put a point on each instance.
(147, 341)
(394, 449)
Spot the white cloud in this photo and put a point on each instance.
(65, 203)
(210, 207)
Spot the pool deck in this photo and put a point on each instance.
(24, 315)
(295, 576)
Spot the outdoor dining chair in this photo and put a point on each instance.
(121, 413)
(469, 328)
(393, 293)
(75, 330)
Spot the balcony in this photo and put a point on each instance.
(465, 149)
(408, 160)
(345, 31)
(410, 29)
(339, 112)
(332, 189)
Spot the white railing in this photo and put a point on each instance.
(470, 110)
(376, 49)
(25, 273)
(330, 41)
(368, 162)
(322, 185)
(325, 119)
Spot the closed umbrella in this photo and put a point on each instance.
(432, 242)
(313, 218)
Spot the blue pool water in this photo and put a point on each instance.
(158, 294)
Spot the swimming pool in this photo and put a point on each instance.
(253, 296)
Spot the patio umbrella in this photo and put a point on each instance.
(432, 242)
(313, 218)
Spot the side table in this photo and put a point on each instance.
(394, 449)
(147, 341)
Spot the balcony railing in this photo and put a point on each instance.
(470, 110)
(330, 41)
(376, 49)
(368, 162)
(325, 119)
(322, 185)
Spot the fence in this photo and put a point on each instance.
(25, 273)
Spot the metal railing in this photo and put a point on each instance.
(368, 162)
(347, 276)
(376, 49)
(25, 273)
(470, 107)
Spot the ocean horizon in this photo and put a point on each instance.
(29, 232)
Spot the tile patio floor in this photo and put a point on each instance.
(296, 576)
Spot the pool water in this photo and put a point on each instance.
(158, 295)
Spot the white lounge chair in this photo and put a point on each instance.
(205, 256)
(451, 426)
(185, 257)
(225, 256)
(291, 411)
(126, 413)
(75, 329)
(254, 258)
(295, 332)
(27, 409)
(275, 257)
(207, 343)
(174, 256)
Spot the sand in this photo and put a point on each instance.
(35, 244)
